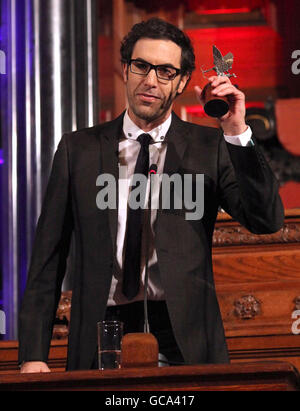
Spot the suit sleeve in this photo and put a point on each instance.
(48, 263)
(248, 189)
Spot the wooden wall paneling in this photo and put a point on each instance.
(258, 286)
(9, 356)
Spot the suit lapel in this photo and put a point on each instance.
(109, 141)
(176, 145)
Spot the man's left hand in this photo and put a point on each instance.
(233, 122)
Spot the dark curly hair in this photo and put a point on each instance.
(156, 28)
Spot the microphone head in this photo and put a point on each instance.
(153, 169)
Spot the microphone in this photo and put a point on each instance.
(152, 171)
(141, 349)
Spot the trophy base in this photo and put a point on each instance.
(216, 108)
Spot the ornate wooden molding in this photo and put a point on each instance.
(247, 307)
(63, 314)
(297, 302)
(228, 234)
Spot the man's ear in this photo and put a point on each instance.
(125, 72)
(182, 83)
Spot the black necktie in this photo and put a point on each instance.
(132, 259)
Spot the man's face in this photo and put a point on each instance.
(150, 98)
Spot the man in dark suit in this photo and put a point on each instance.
(157, 61)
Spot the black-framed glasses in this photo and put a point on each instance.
(163, 72)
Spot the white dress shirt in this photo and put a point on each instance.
(129, 149)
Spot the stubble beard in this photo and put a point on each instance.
(152, 115)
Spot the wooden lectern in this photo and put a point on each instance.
(255, 376)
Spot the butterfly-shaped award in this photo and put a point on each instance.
(217, 106)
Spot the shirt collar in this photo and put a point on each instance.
(132, 131)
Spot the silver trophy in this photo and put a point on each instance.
(217, 106)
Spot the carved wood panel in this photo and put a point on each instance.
(230, 233)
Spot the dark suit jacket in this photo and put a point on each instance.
(236, 178)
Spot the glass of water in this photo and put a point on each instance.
(109, 344)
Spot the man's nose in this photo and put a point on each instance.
(151, 78)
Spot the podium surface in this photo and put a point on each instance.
(255, 376)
